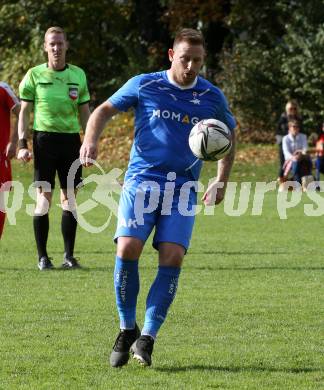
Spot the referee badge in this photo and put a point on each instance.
(73, 93)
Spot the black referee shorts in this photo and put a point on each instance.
(56, 152)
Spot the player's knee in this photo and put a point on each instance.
(68, 203)
(129, 248)
(43, 203)
(171, 255)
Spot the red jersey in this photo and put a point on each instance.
(320, 146)
(8, 100)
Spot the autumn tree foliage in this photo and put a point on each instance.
(275, 53)
(260, 52)
(110, 39)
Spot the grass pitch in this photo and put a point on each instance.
(249, 313)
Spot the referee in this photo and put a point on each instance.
(59, 96)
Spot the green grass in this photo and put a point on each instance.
(249, 313)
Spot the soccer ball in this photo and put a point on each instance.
(210, 140)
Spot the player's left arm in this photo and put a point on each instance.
(83, 101)
(84, 114)
(12, 144)
(216, 190)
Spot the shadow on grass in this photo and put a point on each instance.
(301, 370)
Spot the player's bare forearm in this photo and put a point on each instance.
(215, 192)
(97, 121)
(84, 113)
(225, 165)
(95, 126)
(14, 132)
(23, 121)
(12, 144)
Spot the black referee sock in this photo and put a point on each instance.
(41, 227)
(68, 226)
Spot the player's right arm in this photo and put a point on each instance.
(23, 123)
(122, 100)
(95, 126)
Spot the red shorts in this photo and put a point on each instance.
(5, 173)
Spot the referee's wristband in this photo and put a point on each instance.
(22, 143)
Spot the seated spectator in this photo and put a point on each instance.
(298, 163)
(292, 111)
(319, 150)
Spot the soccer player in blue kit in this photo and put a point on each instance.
(167, 105)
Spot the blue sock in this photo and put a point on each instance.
(126, 281)
(159, 299)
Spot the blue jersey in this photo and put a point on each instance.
(164, 115)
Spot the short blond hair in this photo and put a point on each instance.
(293, 104)
(55, 29)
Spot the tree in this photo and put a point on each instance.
(302, 53)
(96, 31)
(205, 15)
(110, 39)
(276, 53)
(273, 50)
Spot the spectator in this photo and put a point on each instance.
(319, 150)
(297, 160)
(292, 111)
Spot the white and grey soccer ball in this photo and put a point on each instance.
(210, 140)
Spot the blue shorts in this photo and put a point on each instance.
(143, 207)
